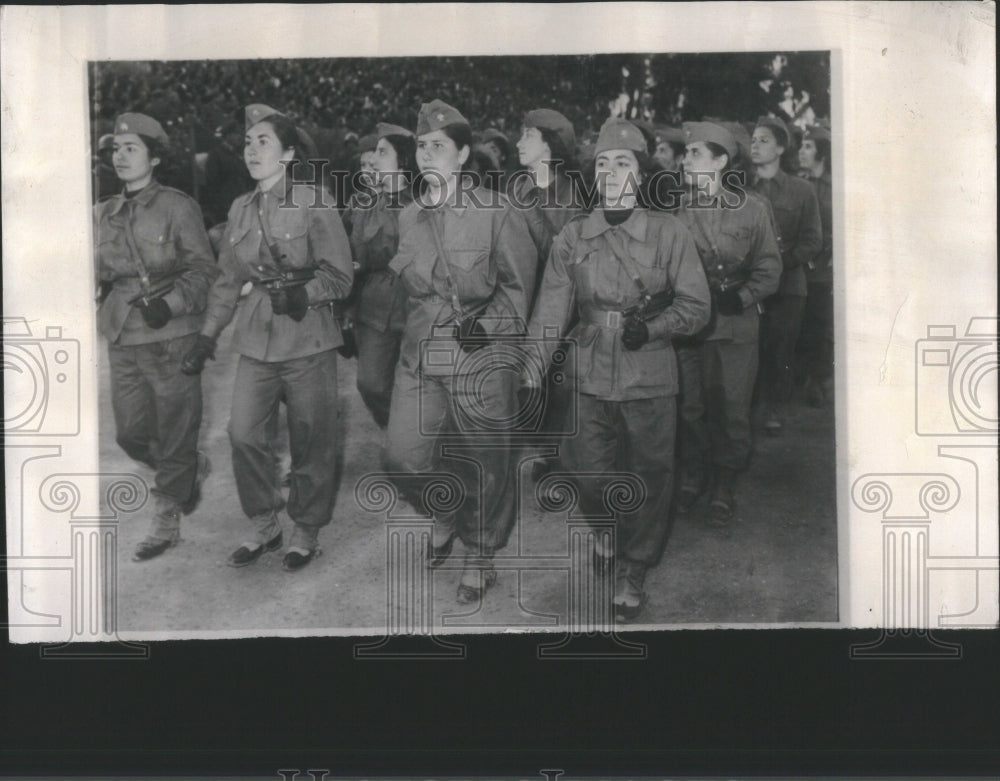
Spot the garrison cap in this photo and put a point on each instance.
(618, 133)
(367, 143)
(817, 133)
(257, 112)
(143, 125)
(436, 115)
(497, 137)
(106, 142)
(383, 129)
(741, 135)
(670, 135)
(549, 119)
(711, 133)
(777, 127)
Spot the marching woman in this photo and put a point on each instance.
(718, 368)
(372, 220)
(293, 248)
(155, 263)
(602, 264)
(468, 265)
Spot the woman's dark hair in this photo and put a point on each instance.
(288, 135)
(678, 148)
(156, 148)
(648, 169)
(461, 134)
(406, 153)
(561, 156)
(718, 150)
(823, 151)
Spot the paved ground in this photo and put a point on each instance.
(778, 565)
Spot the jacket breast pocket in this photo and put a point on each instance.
(650, 266)
(474, 273)
(155, 245)
(243, 241)
(290, 231)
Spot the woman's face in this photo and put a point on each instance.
(438, 153)
(618, 175)
(699, 164)
(807, 154)
(664, 155)
(262, 152)
(131, 159)
(531, 147)
(764, 147)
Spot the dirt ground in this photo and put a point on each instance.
(778, 564)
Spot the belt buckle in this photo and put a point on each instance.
(613, 319)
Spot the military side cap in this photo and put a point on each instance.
(549, 119)
(142, 125)
(618, 133)
(307, 144)
(777, 127)
(383, 129)
(670, 135)
(436, 115)
(710, 133)
(367, 143)
(107, 141)
(817, 133)
(741, 135)
(257, 112)
(497, 137)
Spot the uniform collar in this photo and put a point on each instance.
(779, 178)
(144, 197)
(635, 226)
(457, 209)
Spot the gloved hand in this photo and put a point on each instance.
(350, 346)
(194, 361)
(471, 335)
(635, 334)
(728, 302)
(156, 313)
(291, 301)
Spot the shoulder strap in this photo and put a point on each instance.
(133, 247)
(266, 235)
(703, 235)
(614, 241)
(443, 256)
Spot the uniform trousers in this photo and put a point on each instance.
(636, 437)
(308, 387)
(454, 424)
(779, 333)
(816, 340)
(157, 412)
(717, 378)
(378, 354)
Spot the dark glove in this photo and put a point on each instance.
(291, 301)
(156, 313)
(635, 334)
(470, 335)
(350, 346)
(104, 290)
(194, 361)
(728, 302)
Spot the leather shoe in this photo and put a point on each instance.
(150, 548)
(295, 561)
(438, 555)
(468, 595)
(243, 556)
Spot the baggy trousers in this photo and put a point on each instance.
(157, 412)
(717, 379)
(636, 437)
(779, 333)
(463, 413)
(309, 388)
(378, 354)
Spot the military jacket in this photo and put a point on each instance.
(821, 267)
(584, 273)
(307, 232)
(546, 210)
(162, 231)
(800, 233)
(491, 261)
(738, 251)
(374, 234)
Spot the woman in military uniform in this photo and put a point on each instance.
(372, 220)
(718, 367)
(468, 265)
(601, 264)
(154, 265)
(291, 245)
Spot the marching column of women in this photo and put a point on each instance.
(433, 272)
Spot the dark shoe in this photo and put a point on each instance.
(688, 496)
(204, 470)
(438, 555)
(244, 555)
(468, 595)
(772, 424)
(625, 613)
(295, 561)
(629, 599)
(150, 548)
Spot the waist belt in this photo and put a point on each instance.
(605, 318)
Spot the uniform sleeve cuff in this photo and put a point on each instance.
(175, 301)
